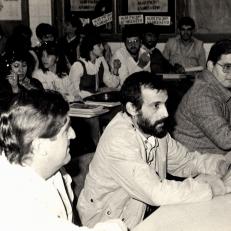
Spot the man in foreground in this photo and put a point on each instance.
(35, 190)
(134, 154)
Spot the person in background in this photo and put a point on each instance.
(22, 35)
(35, 133)
(203, 117)
(132, 57)
(3, 40)
(71, 39)
(91, 72)
(53, 71)
(158, 63)
(90, 30)
(135, 152)
(46, 33)
(15, 68)
(185, 51)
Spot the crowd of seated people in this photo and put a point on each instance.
(137, 165)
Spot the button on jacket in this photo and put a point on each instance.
(123, 177)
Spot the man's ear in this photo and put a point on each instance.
(210, 65)
(38, 145)
(131, 109)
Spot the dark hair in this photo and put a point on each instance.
(222, 47)
(32, 114)
(44, 29)
(10, 56)
(150, 28)
(186, 21)
(20, 38)
(131, 88)
(88, 43)
(74, 21)
(131, 31)
(52, 48)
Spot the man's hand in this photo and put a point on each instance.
(144, 59)
(227, 181)
(179, 69)
(116, 66)
(216, 184)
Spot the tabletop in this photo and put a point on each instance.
(213, 215)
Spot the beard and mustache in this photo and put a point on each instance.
(158, 129)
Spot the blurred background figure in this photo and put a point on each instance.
(71, 39)
(150, 37)
(3, 40)
(53, 71)
(91, 72)
(184, 50)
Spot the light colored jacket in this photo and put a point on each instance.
(123, 177)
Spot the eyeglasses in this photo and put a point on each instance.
(132, 41)
(226, 68)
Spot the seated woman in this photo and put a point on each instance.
(15, 67)
(35, 134)
(53, 71)
(91, 72)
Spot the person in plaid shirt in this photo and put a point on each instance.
(203, 117)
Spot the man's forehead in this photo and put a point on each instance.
(149, 94)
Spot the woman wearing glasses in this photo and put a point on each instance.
(203, 117)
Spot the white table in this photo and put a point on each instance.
(214, 215)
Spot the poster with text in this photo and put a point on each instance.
(83, 5)
(10, 10)
(147, 6)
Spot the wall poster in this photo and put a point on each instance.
(10, 10)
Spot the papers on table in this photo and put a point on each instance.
(193, 69)
(86, 110)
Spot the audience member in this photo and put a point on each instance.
(90, 30)
(46, 33)
(128, 170)
(184, 50)
(34, 139)
(204, 115)
(53, 71)
(91, 71)
(3, 40)
(71, 39)
(158, 63)
(132, 57)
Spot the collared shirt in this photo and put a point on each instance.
(203, 117)
(190, 55)
(51, 81)
(28, 202)
(128, 64)
(123, 179)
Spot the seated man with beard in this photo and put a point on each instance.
(133, 156)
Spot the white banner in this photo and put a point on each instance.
(102, 20)
(158, 20)
(131, 19)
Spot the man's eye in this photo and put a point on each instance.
(156, 105)
(228, 66)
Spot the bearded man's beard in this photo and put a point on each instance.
(158, 129)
